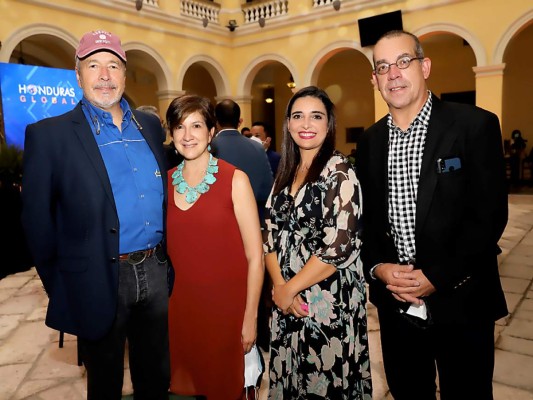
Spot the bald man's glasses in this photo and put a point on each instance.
(402, 63)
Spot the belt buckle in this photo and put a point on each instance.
(136, 257)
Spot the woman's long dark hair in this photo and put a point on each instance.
(290, 152)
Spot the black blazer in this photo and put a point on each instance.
(460, 215)
(71, 221)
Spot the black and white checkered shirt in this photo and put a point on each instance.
(405, 159)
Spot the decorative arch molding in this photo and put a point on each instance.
(246, 80)
(163, 74)
(322, 56)
(213, 67)
(508, 35)
(474, 42)
(34, 29)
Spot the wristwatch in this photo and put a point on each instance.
(372, 271)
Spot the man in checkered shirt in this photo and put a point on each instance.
(435, 205)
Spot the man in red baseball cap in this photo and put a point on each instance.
(95, 41)
(101, 72)
(93, 196)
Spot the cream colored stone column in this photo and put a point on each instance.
(489, 88)
(245, 102)
(164, 98)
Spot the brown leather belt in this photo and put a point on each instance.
(137, 257)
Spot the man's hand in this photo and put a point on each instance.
(425, 287)
(406, 283)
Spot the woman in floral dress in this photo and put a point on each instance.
(319, 342)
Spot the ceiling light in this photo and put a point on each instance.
(291, 85)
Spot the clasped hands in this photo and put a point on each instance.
(287, 301)
(406, 283)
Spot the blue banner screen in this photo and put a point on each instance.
(31, 93)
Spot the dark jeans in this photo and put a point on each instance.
(141, 319)
(463, 355)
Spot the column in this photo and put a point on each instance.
(489, 88)
(245, 102)
(164, 98)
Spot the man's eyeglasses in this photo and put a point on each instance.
(402, 63)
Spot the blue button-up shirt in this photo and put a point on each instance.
(134, 175)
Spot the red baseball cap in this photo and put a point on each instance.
(95, 41)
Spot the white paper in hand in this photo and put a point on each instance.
(418, 310)
(252, 367)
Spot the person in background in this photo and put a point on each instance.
(311, 236)
(151, 110)
(214, 243)
(518, 147)
(171, 154)
(262, 131)
(247, 155)
(352, 156)
(246, 132)
(93, 211)
(433, 180)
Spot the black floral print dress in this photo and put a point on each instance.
(324, 355)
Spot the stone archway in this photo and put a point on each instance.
(214, 69)
(266, 77)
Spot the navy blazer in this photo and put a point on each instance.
(71, 222)
(460, 214)
(247, 155)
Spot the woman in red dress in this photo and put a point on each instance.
(214, 244)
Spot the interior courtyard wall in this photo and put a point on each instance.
(198, 81)
(283, 95)
(346, 79)
(446, 76)
(297, 41)
(519, 83)
(484, 20)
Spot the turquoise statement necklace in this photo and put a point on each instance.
(192, 193)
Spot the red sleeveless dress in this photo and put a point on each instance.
(206, 309)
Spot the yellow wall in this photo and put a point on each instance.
(455, 76)
(518, 114)
(346, 79)
(171, 53)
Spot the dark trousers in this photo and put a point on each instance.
(462, 354)
(141, 319)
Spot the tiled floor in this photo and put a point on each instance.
(32, 366)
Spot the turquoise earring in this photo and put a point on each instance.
(209, 147)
